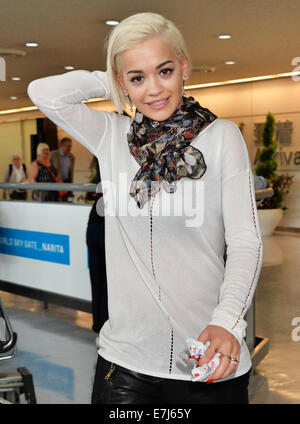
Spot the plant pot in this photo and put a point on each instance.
(269, 220)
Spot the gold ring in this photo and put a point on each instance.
(234, 361)
(213, 348)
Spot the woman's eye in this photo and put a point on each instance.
(136, 79)
(166, 71)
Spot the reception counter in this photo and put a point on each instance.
(43, 252)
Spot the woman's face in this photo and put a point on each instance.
(45, 153)
(17, 161)
(153, 77)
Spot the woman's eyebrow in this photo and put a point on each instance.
(164, 63)
(134, 71)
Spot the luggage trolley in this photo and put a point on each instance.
(12, 385)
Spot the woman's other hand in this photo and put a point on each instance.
(223, 342)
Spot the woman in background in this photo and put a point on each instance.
(42, 171)
(16, 173)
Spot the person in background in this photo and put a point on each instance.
(16, 172)
(43, 171)
(95, 239)
(64, 161)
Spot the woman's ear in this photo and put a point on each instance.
(120, 81)
(185, 67)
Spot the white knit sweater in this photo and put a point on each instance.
(167, 279)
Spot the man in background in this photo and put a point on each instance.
(63, 160)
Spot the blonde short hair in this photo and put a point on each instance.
(40, 147)
(128, 33)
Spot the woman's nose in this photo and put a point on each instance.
(154, 86)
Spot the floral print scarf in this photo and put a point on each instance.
(163, 150)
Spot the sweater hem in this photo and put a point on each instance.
(237, 373)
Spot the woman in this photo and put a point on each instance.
(167, 279)
(16, 173)
(42, 171)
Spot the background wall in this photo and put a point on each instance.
(249, 103)
(15, 139)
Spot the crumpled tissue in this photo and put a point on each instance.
(197, 350)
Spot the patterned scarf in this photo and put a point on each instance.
(162, 149)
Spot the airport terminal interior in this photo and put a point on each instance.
(45, 287)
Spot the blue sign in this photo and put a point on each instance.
(47, 247)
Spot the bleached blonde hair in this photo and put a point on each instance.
(40, 147)
(127, 34)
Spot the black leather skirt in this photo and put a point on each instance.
(117, 385)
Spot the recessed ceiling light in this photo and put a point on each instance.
(224, 36)
(31, 44)
(112, 22)
(13, 98)
(16, 78)
(69, 68)
(229, 62)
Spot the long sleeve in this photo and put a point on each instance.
(242, 235)
(60, 98)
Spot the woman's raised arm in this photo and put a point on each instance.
(60, 98)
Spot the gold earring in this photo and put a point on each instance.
(183, 92)
(126, 95)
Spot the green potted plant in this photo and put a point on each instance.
(271, 210)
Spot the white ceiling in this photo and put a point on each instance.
(265, 36)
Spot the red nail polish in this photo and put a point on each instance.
(211, 380)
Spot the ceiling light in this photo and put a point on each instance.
(229, 62)
(224, 36)
(13, 98)
(241, 80)
(69, 68)
(111, 22)
(20, 109)
(16, 78)
(31, 44)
